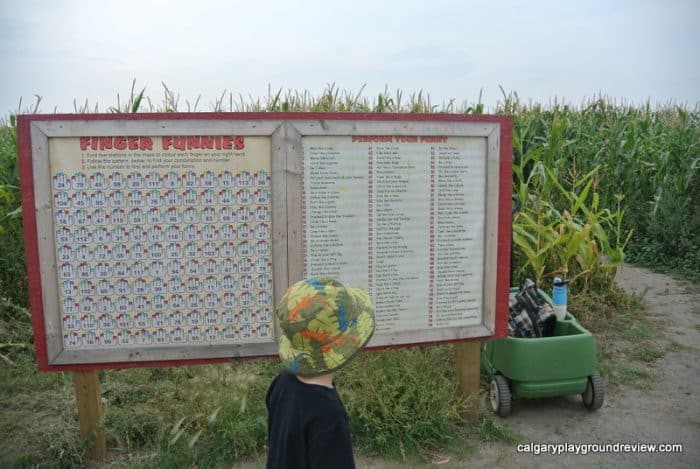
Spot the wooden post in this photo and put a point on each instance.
(467, 359)
(89, 398)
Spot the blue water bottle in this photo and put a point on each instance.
(559, 297)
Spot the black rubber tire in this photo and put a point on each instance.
(594, 394)
(499, 396)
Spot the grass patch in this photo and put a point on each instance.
(38, 424)
(220, 410)
(488, 430)
(402, 403)
(674, 346)
(647, 354)
(623, 335)
(633, 374)
(608, 310)
(617, 373)
(639, 331)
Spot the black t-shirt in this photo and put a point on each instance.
(307, 426)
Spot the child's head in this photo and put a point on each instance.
(323, 325)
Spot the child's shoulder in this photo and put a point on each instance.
(282, 377)
(286, 382)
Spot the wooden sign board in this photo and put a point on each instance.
(160, 239)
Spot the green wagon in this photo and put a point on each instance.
(560, 365)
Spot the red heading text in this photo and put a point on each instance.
(182, 143)
(398, 139)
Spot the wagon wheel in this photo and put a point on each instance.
(595, 392)
(499, 396)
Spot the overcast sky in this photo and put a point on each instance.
(571, 50)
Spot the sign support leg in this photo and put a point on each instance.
(89, 399)
(467, 359)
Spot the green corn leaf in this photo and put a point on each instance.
(585, 178)
(555, 181)
(525, 248)
(581, 198)
(577, 240)
(137, 101)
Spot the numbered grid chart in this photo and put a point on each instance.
(153, 258)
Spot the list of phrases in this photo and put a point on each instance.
(402, 217)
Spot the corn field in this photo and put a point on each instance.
(629, 176)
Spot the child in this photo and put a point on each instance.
(323, 325)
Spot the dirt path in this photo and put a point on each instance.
(668, 412)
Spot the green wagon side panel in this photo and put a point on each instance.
(569, 354)
(564, 387)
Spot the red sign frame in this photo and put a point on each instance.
(31, 234)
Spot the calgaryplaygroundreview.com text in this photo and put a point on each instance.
(586, 448)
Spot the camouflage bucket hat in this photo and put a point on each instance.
(323, 325)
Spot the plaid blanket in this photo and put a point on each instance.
(529, 314)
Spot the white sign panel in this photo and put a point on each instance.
(163, 240)
(402, 217)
